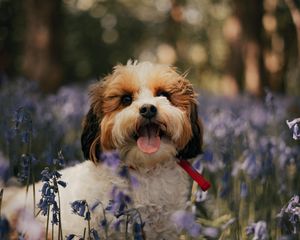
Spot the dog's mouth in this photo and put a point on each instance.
(148, 137)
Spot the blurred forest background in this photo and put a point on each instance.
(241, 48)
(228, 46)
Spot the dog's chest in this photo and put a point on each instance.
(164, 187)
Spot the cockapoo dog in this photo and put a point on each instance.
(148, 114)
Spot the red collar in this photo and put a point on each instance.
(202, 182)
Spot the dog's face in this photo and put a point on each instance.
(147, 112)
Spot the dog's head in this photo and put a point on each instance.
(147, 112)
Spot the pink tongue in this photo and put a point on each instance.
(149, 141)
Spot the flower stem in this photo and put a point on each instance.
(47, 224)
(1, 196)
(89, 222)
(60, 234)
(33, 192)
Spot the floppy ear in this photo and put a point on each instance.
(90, 143)
(194, 146)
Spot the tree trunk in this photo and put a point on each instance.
(245, 63)
(41, 60)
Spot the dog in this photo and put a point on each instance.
(148, 114)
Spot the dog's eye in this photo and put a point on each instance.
(126, 99)
(163, 94)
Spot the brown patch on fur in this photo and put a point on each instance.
(186, 134)
(180, 90)
(106, 102)
(106, 95)
(182, 95)
(106, 131)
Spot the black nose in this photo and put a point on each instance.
(148, 111)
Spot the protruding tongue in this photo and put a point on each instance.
(149, 140)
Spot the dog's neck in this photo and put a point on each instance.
(148, 167)
(136, 159)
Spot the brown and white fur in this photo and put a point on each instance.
(114, 122)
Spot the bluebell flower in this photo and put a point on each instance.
(62, 183)
(290, 216)
(60, 160)
(211, 232)
(197, 164)
(111, 159)
(123, 172)
(54, 218)
(79, 207)
(23, 124)
(294, 125)
(250, 229)
(185, 221)
(46, 175)
(95, 234)
(138, 231)
(48, 194)
(95, 205)
(27, 162)
(259, 230)
(117, 224)
(119, 201)
(70, 237)
(251, 165)
(103, 223)
(134, 182)
(208, 156)
(22, 116)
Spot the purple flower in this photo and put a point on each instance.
(70, 237)
(185, 221)
(117, 224)
(27, 161)
(134, 182)
(119, 202)
(138, 231)
(95, 205)
(62, 183)
(95, 234)
(48, 193)
(111, 159)
(294, 125)
(250, 229)
(124, 173)
(290, 215)
(250, 165)
(60, 160)
(259, 230)
(79, 207)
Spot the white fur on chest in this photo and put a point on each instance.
(159, 193)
